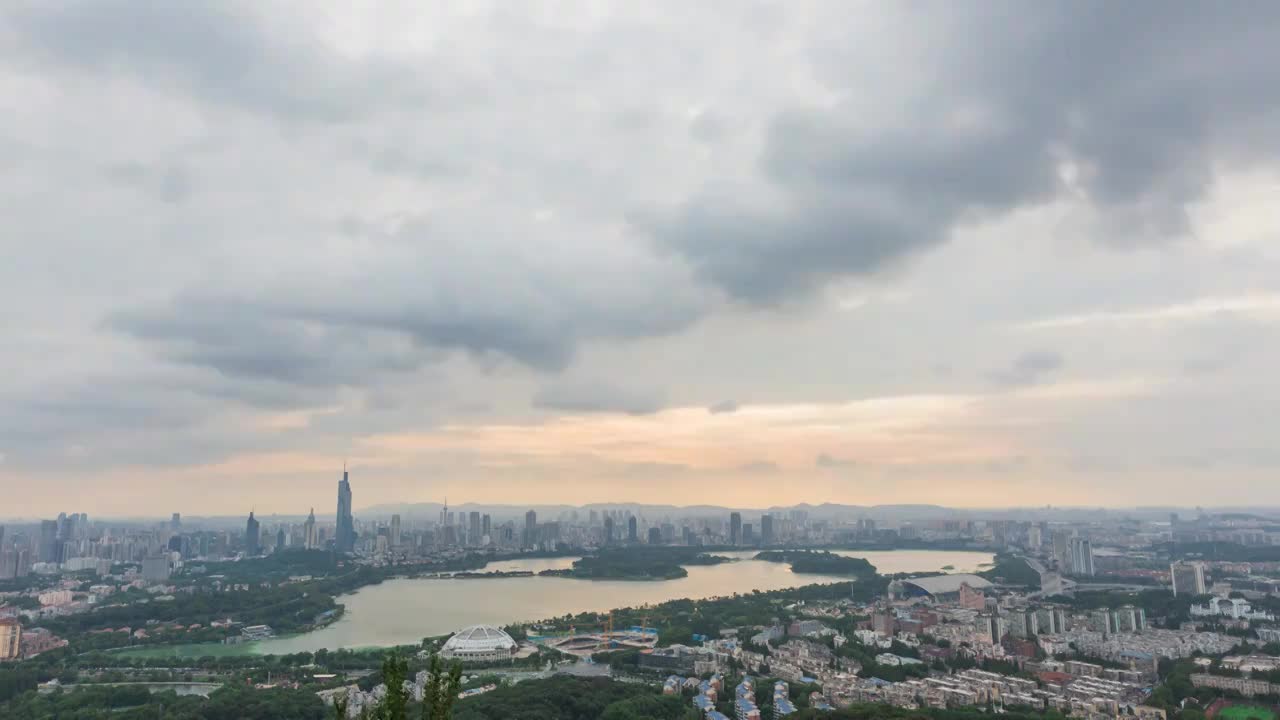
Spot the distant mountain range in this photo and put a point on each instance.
(825, 511)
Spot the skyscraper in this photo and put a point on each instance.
(252, 536)
(395, 531)
(280, 540)
(486, 526)
(473, 528)
(633, 534)
(49, 546)
(735, 528)
(766, 529)
(310, 540)
(175, 523)
(345, 535)
(608, 530)
(530, 527)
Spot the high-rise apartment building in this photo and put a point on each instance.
(735, 528)
(1188, 578)
(473, 528)
(14, 563)
(766, 529)
(155, 568)
(1062, 550)
(10, 638)
(345, 534)
(49, 548)
(395, 531)
(1082, 557)
(1130, 619)
(991, 627)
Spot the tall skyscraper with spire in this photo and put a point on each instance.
(345, 534)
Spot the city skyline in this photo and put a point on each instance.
(843, 253)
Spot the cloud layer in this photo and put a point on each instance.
(245, 242)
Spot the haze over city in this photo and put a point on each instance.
(740, 254)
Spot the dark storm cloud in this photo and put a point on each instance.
(592, 396)
(1136, 98)
(1027, 368)
(111, 418)
(428, 293)
(244, 340)
(216, 50)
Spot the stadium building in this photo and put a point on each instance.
(479, 643)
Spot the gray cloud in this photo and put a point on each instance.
(591, 396)
(245, 340)
(844, 196)
(232, 227)
(827, 461)
(431, 294)
(171, 184)
(1029, 367)
(724, 406)
(220, 51)
(110, 420)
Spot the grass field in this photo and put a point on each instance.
(1245, 712)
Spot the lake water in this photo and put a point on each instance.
(402, 612)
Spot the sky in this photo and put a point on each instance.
(731, 252)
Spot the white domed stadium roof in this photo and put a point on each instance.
(479, 638)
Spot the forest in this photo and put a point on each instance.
(820, 562)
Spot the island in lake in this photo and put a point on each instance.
(820, 562)
(637, 563)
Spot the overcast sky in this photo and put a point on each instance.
(733, 252)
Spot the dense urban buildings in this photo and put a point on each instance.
(907, 631)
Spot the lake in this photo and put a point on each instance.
(403, 611)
